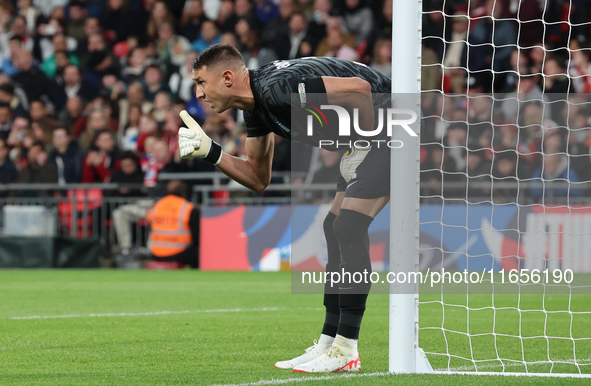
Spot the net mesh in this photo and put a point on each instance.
(505, 165)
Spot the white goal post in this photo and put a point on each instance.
(405, 355)
(523, 337)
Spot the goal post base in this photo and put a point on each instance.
(423, 366)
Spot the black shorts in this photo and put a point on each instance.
(372, 176)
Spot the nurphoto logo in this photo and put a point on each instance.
(345, 126)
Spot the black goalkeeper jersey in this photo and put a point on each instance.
(275, 84)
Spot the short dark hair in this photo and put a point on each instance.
(217, 54)
(177, 188)
(128, 154)
(77, 3)
(508, 154)
(38, 143)
(61, 126)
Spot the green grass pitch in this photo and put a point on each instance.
(104, 327)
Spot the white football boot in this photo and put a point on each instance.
(311, 353)
(342, 356)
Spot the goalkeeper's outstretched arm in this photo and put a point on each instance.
(255, 171)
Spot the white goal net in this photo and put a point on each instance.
(505, 170)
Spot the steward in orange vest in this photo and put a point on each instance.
(174, 224)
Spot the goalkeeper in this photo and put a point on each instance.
(265, 96)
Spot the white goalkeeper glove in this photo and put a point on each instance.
(193, 142)
(351, 160)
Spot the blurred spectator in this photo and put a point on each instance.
(382, 57)
(154, 82)
(47, 6)
(556, 87)
(435, 30)
(181, 82)
(484, 56)
(17, 32)
(66, 156)
(155, 160)
(98, 61)
(7, 169)
(118, 20)
(265, 10)
(128, 134)
(505, 172)
(56, 25)
(297, 33)
(69, 85)
(37, 171)
(92, 27)
(38, 109)
(580, 70)
(8, 95)
(244, 8)
(30, 77)
(329, 169)
(136, 64)
(9, 66)
(254, 54)
(478, 171)
(158, 15)
(193, 16)
(130, 173)
(323, 10)
(338, 48)
(383, 28)
(438, 169)
(42, 131)
(49, 65)
(31, 14)
(555, 169)
(19, 131)
(226, 18)
(209, 35)
(78, 14)
(334, 24)
(519, 64)
(101, 160)
(169, 135)
(356, 15)
(276, 33)
(527, 90)
(162, 104)
(454, 71)
(456, 139)
(72, 112)
(97, 121)
(171, 48)
(148, 127)
(5, 120)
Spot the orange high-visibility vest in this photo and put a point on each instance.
(170, 230)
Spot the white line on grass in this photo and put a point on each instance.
(154, 313)
(147, 313)
(382, 374)
(308, 378)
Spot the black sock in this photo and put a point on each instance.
(331, 324)
(351, 229)
(331, 293)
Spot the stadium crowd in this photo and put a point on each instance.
(91, 90)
